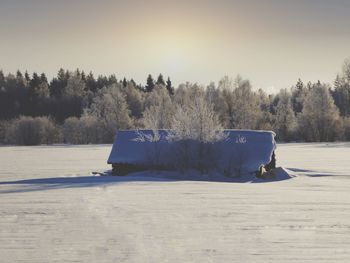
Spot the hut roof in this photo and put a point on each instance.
(247, 149)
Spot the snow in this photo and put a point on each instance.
(243, 150)
(53, 210)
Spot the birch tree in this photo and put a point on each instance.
(319, 120)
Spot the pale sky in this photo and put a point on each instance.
(270, 42)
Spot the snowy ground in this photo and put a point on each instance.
(53, 210)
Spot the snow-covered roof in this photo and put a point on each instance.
(242, 149)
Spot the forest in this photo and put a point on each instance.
(78, 108)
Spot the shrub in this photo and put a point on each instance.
(82, 131)
(32, 131)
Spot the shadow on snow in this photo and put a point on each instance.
(52, 183)
(311, 173)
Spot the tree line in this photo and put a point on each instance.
(77, 108)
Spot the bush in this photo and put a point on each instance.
(32, 131)
(82, 131)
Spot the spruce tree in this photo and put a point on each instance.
(125, 83)
(2, 79)
(20, 80)
(299, 93)
(150, 83)
(112, 79)
(91, 83)
(133, 83)
(169, 87)
(27, 77)
(160, 80)
(341, 93)
(83, 76)
(33, 85)
(43, 78)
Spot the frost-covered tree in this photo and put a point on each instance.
(158, 109)
(226, 83)
(76, 87)
(82, 130)
(239, 106)
(186, 92)
(197, 121)
(341, 92)
(245, 107)
(266, 120)
(196, 126)
(319, 120)
(285, 124)
(134, 99)
(299, 93)
(32, 131)
(215, 96)
(111, 108)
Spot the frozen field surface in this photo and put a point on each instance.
(53, 210)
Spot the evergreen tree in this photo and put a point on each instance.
(43, 78)
(112, 79)
(169, 87)
(341, 93)
(125, 83)
(35, 81)
(19, 74)
(91, 83)
(33, 85)
(133, 83)
(20, 80)
(160, 80)
(150, 83)
(77, 73)
(27, 77)
(2, 80)
(101, 82)
(61, 75)
(58, 84)
(83, 76)
(299, 93)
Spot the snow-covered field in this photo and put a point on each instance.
(53, 210)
